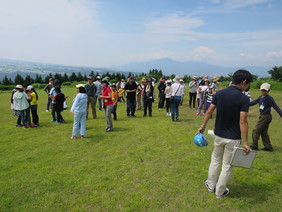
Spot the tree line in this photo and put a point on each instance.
(275, 72)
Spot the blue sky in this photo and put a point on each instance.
(114, 32)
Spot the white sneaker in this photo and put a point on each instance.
(169, 114)
(47, 110)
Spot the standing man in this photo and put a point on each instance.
(47, 90)
(130, 89)
(161, 88)
(98, 92)
(91, 90)
(231, 126)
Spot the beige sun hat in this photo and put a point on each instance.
(19, 86)
(176, 79)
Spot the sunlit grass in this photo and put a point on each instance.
(145, 164)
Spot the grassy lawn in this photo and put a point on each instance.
(145, 164)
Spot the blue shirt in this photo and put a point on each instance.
(79, 103)
(99, 88)
(265, 104)
(229, 103)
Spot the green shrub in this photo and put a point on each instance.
(38, 85)
(7, 87)
(67, 83)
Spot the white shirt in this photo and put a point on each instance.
(177, 89)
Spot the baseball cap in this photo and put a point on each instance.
(265, 86)
(29, 87)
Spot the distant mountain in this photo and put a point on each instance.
(11, 68)
(169, 66)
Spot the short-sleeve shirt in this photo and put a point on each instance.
(105, 92)
(34, 99)
(229, 103)
(133, 86)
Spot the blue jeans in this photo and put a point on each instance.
(131, 105)
(27, 115)
(79, 123)
(175, 107)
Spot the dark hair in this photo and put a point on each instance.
(82, 90)
(105, 81)
(35, 93)
(240, 75)
(57, 89)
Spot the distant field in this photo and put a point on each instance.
(145, 164)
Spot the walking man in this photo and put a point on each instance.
(231, 126)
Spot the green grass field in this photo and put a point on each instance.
(145, 164)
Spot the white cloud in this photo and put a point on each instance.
(173, 22)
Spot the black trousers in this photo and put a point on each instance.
(168, 104)
(192, 98)
(148, 104)
(161, 100)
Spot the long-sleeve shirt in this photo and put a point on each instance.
(91, 90)
(79, 103)
(193, 86)
(265, 104)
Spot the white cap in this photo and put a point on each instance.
(29, 87)
(265, 86)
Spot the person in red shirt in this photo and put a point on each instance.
(108, 103)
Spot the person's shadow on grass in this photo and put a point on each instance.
(255, 193)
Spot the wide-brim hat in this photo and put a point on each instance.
(19, 86)
(105, 80)
(215, 79)
(194, 77)
(176, 79)
(90, 78)
(80, 86)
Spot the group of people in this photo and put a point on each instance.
(24, 102)
(232, 105)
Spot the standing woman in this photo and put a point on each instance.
(177, 92)
(20, 103)
(108, 103)
(193, 85)
(148, 97)
(33, 105)
(79, 109)
(168, 92)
